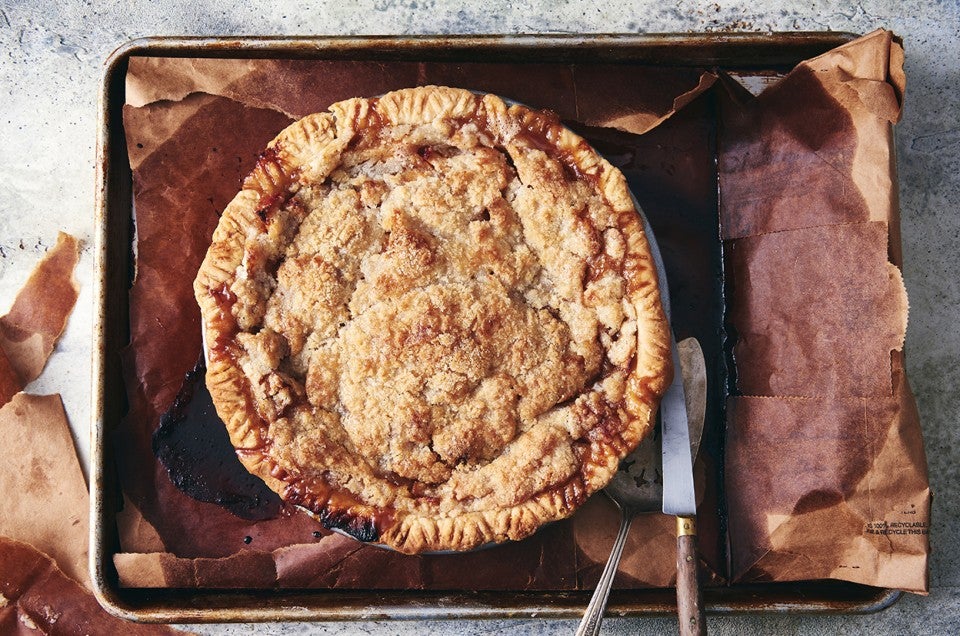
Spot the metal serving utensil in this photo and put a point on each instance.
(637, 488)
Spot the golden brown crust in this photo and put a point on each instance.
(433, 319)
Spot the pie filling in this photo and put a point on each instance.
(427, 327)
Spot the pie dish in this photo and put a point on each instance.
(432, 319)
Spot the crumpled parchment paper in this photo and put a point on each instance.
(815, 311)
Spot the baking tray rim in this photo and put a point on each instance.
(713, 49)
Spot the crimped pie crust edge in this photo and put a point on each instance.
(308, 149)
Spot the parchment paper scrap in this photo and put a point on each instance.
(335, 561)
(47, 497)
(606, 95)
(817, 311)
(828, 488)
(47, 504)
(30, 329)
(816, 148)
(37, 597)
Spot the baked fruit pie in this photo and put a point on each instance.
(432, 319)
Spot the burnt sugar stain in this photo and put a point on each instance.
(361, 528)
(192, 444)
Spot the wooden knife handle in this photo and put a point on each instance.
(689, 597)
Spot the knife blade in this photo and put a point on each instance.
(679, 498)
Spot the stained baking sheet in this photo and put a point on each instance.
(743, 52)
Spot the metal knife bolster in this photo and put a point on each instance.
(679, 498)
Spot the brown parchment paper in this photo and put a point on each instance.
(778, 173)
(825, 471)
(173, 228)
(817, 310)
(825, 489)
(48, 501)
(38, 462)
(37, 597)
(186, 170)
(615, 96)
(815, 148)
(39, 313)
(44, 580)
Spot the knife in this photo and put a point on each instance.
(679, 497)
(679, 500)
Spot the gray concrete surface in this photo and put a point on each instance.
(51, 59)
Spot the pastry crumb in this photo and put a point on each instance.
(27, 621)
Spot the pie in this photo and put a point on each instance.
(432, 319)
